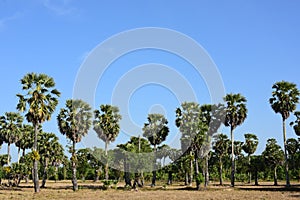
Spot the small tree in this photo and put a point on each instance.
(274, 156)
(156, 131)
(74, 121)
(249, 147)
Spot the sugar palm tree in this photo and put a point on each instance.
(236, 113)
(285, 97)
(249, 147)
(74, 121)
(106, 125)
(40, 101)
(156, 131)
(273, 156)
(11, 124)
(220, 147)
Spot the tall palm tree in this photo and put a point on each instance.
(106, 125)
(220, 147)
(156, 131)
(285, 97)
(249, 147)
(236, 113)
(74, 121)
(40, 101)
(11, 124)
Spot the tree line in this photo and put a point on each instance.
(144, 158)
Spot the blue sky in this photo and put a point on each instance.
(253, 44)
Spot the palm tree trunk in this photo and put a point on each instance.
(154, 169)
(249, 172)
(8, 154)
(45, 173)
(285, 156)
(191, 169)
(74, 178)
(170, 177)
(23, 152)
(275, 176)
(186, 180)
(206, 172)
(197, 172)
(35, 162)
(106, 165)
(221, 171)
(256, 178)
(19, 154)
(232, 157)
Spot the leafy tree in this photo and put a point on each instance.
(193, 127)
(296, 123)
(156, 131)
(40, 101)
(49, 149)
(257, 165)
(249, 147)
(11, 124)
(273, 156)
(74, 121)
(106, 125)
(83, 165)
(26, 139)
(236, 113)
(292, 147)
(220, 147)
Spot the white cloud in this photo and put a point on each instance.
(61, 7)
(5, 20)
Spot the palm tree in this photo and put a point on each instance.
(11, 124)
(49, 149)
(236, 113)
(106, 125)
(156, 131)
(26, 140)
(273, 156)
(285, 97)
(220, 147)
(193, 128)
(249, 147)
(40, 101)
(74, 121)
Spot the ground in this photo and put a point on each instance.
(90, 190)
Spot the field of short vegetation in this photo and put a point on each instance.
(90, 190)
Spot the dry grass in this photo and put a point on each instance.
(89, 190)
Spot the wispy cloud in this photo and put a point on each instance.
(6, 20)
(61, 7)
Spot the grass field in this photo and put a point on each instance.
(90, 190)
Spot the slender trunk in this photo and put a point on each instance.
(275, 176)
(8, 154)
(127, 173)
(256, 178)
(206, 172)
(74, 178)
(56, 175)
(106, 164)
(154, 169)
(170, 177)
(249, 168)
(19, 154)
(97, 174)
(191, 169)
(221, 171)
(197, 172)
(232, 158)
(285, 156)
(35, 162)
(186, 180)
(23, 152)
(45, 173)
